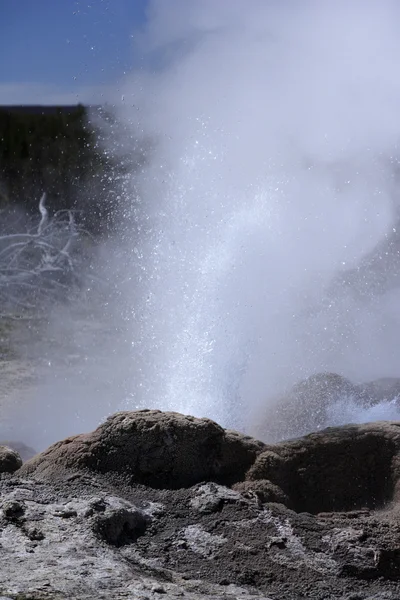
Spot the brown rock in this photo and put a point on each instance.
(10, 460)
(159, 449)
(338, 469)
(25, 452)
(239, 452)
(264, 490)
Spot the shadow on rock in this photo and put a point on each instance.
(338, 469)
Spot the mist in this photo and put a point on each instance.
(273, 176)
(259, 243)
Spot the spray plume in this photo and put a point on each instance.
(260, 243)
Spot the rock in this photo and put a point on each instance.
(10, 460)
(86, 557)
(316, 517)
(308, 406)
(264, 490)
(323, 388)
(210, 498)
(12, 510)
(202, 542)
(380, 390)
(239, 452)
(120, 524)
(25, 452)
(338, 469)
(305, 408)
(161, 450)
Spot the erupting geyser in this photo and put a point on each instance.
(260, 243)
(268, 207)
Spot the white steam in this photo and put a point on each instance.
(276, 127)
(264, 243)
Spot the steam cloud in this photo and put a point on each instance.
(264, 247)
(273, 177)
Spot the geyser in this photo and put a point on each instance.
(260, 240)
(271, 180)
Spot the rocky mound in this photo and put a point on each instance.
(338, 469)
(379, 390)
(306, 407)
(24, 451)
(10, 460)
(155, 503)
(161, 450)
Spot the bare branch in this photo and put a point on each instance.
(45, 214)
(41, 263)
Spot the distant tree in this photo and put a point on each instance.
(81, 161)
(54, 152)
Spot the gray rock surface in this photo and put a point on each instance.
(54, 547)
(317, 517)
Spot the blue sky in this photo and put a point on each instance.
(65, 51)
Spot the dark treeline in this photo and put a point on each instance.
(54, 150)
